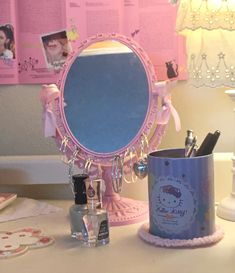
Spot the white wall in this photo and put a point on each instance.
(201, 109)
(21, 133)
(21, 130)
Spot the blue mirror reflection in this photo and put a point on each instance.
(106, 94)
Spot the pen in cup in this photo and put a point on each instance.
(188, 141)
(208, 144)
(191, 150)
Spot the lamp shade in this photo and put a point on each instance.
(210, 37)
(206, 14)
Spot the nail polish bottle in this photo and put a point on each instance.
(96, 220)
(79, 209)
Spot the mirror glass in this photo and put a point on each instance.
(106, 96)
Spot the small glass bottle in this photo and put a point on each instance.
(79, 209)
(96, 220)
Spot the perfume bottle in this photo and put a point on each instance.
(79, 209)
(96, 223)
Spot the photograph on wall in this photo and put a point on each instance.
(7, 42)
(56, 48)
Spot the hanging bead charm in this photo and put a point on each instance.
(64, 144)
(71, 167)
(87, 166)
(63, 148)
(130, 155)
(117, 173)
(141, 166)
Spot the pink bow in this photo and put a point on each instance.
(47, 95)
(163, 116)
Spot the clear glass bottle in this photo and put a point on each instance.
(96, 223)
(79, 209)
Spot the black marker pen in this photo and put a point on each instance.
(208, 144)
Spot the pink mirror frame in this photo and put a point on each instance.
(121, 210)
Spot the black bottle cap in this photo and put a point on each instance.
(80, 188)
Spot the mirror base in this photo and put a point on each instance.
(121, 210)
(125, 211)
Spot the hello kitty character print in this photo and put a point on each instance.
(173, 206)
(170, 196)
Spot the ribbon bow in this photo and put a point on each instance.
(163, 116)
(47, 95)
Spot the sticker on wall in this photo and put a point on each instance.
(172, 69)
(173, 205)
(72, 33)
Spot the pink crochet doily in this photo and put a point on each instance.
(144, 234)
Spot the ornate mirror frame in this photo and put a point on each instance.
(147, 126)
(121, 210)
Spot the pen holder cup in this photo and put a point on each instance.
(181, 195)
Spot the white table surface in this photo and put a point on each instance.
(126, 252)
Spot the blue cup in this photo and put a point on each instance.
(181, 195)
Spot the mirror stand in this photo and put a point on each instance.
(121, 210)
(86, 103)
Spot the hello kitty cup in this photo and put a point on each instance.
(181, 195)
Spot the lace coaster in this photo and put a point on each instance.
(26, 207)
(144, 234)
(18, 242)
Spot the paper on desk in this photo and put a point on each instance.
(25, 207)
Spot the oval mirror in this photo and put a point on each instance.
(106, 107)
(106, 96)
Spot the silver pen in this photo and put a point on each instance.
(190, 151)
(188, 141)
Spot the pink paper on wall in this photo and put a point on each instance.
(8, 66)
(42, 28)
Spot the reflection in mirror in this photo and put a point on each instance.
(107, 105)
(106, 96)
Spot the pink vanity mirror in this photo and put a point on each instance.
(107, 109)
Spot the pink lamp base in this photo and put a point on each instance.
(124, 211)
